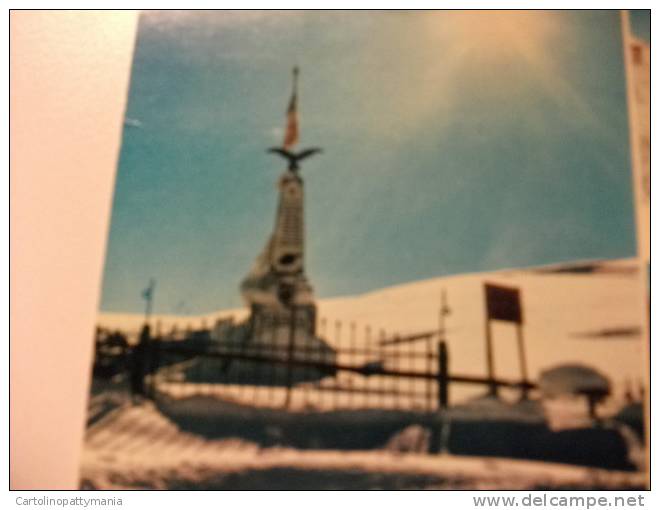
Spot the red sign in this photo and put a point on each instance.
(503, 303)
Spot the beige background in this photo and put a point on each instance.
(68, 85)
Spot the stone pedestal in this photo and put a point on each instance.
(282, 322)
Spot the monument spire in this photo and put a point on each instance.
(278, 276)
(277, 290)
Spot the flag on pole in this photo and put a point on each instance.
(148, 293)
(291, 133)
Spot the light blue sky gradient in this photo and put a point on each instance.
(447, 149)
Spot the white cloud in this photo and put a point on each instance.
(134, 123)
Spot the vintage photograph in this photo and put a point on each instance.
(376, 250)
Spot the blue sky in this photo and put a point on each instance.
(454, 142)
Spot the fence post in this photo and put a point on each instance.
(383, 380)
(154, 362)
(409, 364)
(368, 358)
(274, 352)
(429, 371)
(396, 381)
(443, 375)
(257, 382)
(336, 392)
(492, 387)
(139, 363)
(351, 361)
(523, 362)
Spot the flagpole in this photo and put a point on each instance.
(291, 132)
(296, 71)
(148, 297)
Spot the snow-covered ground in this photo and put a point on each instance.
(137, 447)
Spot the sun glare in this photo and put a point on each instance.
(496, 34)
(508, 49)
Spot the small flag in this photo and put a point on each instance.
(148, 293)
(291, 134)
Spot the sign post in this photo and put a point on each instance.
(504, 304)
